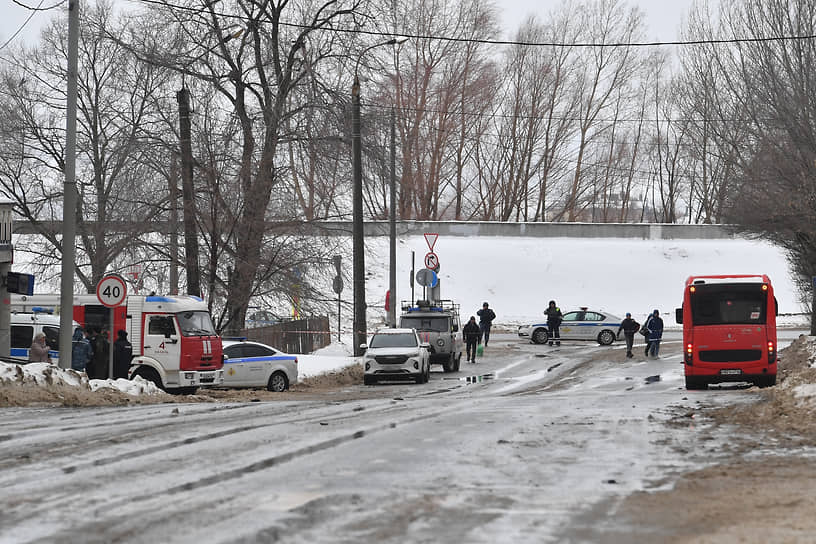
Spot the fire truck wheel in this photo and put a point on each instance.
(150, 375)
(277, 382)
(182, 390)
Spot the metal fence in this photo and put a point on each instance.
(296, 336)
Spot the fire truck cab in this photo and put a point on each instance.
(175, 344)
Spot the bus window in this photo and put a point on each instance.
(726, 305)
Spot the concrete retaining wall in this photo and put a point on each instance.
(644, 231)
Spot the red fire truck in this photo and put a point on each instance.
(174, 342)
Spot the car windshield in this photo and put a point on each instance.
(435, 324)
(195, 323)
(395, 340)
(728, 304)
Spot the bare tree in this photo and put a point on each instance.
(116, 116)
(606, 69)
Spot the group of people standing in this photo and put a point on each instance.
(90, 352)
(652, 329)
(473, 332)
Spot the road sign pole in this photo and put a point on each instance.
(110, 343)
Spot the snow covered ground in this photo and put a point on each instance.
(518, 276)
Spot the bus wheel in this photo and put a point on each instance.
(766, 381)
(693, 383)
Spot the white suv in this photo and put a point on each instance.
(395, 354)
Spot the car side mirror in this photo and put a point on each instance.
(425, 345)
(678, 315)
(455, 327)
(363, 347)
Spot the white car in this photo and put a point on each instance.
(581, 324)
(252, 364)
(396, 354)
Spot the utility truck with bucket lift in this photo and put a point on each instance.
(175, 344)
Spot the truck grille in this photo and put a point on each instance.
(391, 359)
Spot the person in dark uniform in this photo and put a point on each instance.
(470, 334)
(486, 317)
(554, 318)
(629, 327)
(122, 354)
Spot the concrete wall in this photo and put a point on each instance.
(644, 231)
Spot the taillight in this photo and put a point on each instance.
(771, 353)
(295, 360)
(688, 352)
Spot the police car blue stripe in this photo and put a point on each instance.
(259, 359)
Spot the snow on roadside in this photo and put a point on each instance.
(332, 358)
(46, 374)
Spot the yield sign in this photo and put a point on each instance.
(430, 239)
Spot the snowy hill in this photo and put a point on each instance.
(519, 275)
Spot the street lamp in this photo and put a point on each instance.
(358, 269)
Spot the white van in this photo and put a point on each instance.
(23, 328)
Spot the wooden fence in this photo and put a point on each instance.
(296, 336)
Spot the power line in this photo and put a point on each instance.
(711, 41)
(39, 6)
(30, 16)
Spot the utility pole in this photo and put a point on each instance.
(359, 333)
(69, 194)
(174, 248)
(392, 280)
(187, 194)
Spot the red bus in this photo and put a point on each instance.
(729, 330)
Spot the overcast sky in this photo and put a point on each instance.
(663, 17)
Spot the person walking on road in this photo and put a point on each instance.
(38, 353)
(470, 334)
(486, 317)
(81, 351)
(655, 328)
(629, 327)
(554, 318)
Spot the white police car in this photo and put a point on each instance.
(252, 364)
(581, 324)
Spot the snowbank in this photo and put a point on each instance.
(46, 374)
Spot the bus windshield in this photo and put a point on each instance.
(729, 304)
(195, 323)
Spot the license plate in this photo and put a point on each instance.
(731, 371)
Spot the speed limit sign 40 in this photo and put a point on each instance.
(111, 290)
